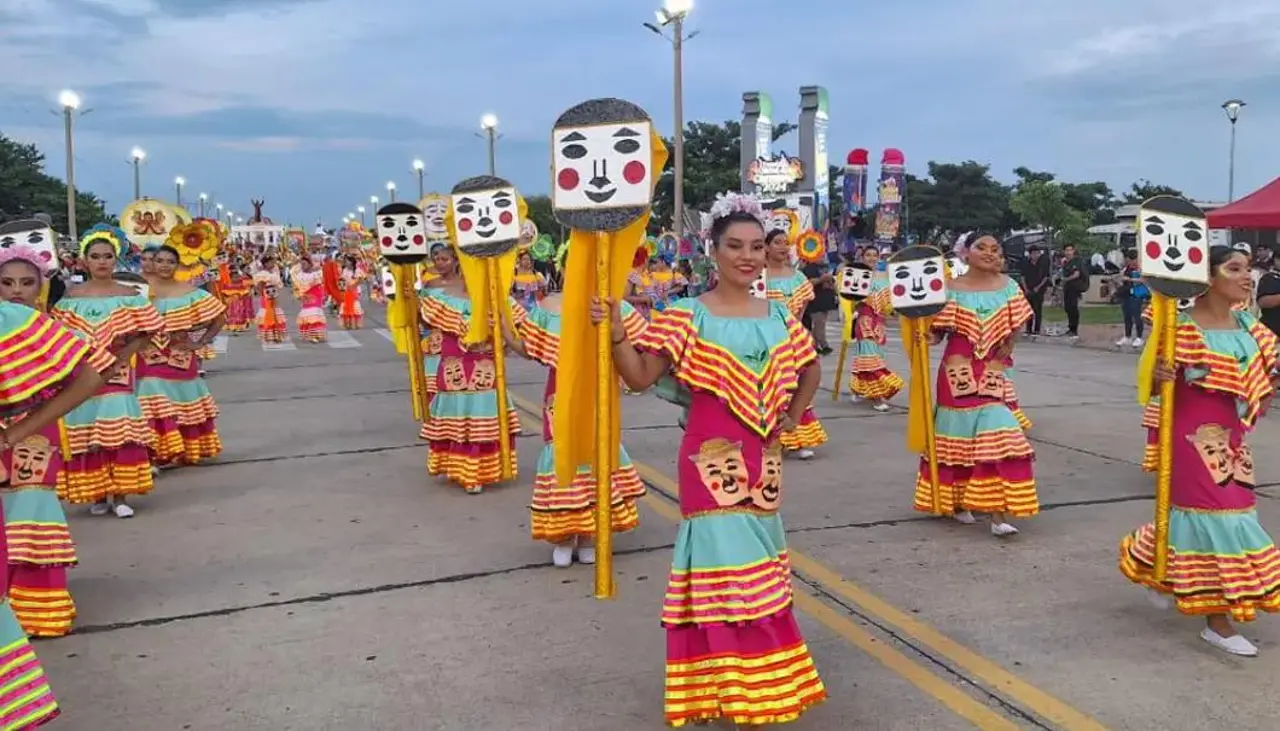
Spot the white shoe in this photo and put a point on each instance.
(1235, 644)
(587, 555)
(1122, 342)
(562, 555)
(474, 489)
(155, 471)
(855, 398)
(804, 453)
(123, 511)
(101, 508)
(1158, 600)
(964, 516)
(880, 406)
(1003, 530)
(1137, 342)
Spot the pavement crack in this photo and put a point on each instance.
(94, 629)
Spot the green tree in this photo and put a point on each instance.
(25, 190)
(1144, 189)
(1044, 205)
(955, 197)
(540, 212)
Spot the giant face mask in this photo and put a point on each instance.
(401, 232)
(434, 209)
(1173, 251)
(486, 216)
(602, 165)
(917, 281)
(855, 282)
(34, 234)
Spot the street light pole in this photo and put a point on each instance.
(1232, 107)
(489, 123)
(360, 210)
(420, 168)
(178, 182)
(673, 13)
(203, 199)
(70, 103)
(137, 156)
(391, 190)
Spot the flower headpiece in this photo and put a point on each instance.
(27, 254)
(729, 203)
(103, 233)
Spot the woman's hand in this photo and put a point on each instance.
(935, 337)
(787, 423)
(607, 307)
(1162, 373)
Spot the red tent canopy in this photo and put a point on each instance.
(1259, 209)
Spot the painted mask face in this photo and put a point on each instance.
(485, 217)
(917, 283)
(760, 287)
(455, 374)
(1243, 472)
(31, 460)
(402, 233)
(767, 493)
(483, 375)
(991, 384)
(723, 471)
(959, 373)
(154, 356)
(434, 209)
(1213, 443)
(180, 359)
(34, 234)
(434, 343)
(855, 282)
(602, 161)
(122, 376)
(1174, 245)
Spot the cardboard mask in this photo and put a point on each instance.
(602, 165)
(723, 471)
(402, 233)
(917, 281)
(855, 282)
(1213, 443)
(486, 216)
(760, 287)
(35, 234)
(434, 209)
(1173, 251)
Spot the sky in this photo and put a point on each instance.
(313, 105)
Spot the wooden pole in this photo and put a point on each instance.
(496, 298)
(606, 385)
(1164, 475)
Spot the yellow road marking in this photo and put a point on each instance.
(959, 702)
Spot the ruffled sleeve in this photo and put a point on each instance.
(801, 297)
(633, 323)
(38, 355)
(669, 332)
(440, 316)
(1250, 382)
(199, 308)
(541, 337)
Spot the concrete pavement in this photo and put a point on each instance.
(316, 578)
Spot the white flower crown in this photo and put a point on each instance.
(729, 203)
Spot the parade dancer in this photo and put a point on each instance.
(870, 377)
(445, 263)
(174, 398)
(108, 440)
(564, 516)
(734, 649)
(1222, 564)
(238, 292)
(308, 286)
(984, 458)
(267, 282)
(794, 290)
(530, 286)
(353, 276)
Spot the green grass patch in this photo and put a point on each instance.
(1089, 315)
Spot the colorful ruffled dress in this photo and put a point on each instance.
(984, 458)
(309, 287)
(796, 292)
(40, 547)
(734, 649)
(271, 323)
(528, 288)
(870, 376)
(108, 440)
(350, 311)
(174, 398)
(463, 432)
(558, 514)
(1221, 560)
(238, 294)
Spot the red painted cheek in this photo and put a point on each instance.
(465, 224)
(567, 179)
(386, 240)
(1195, 255)
(634, 172)
(899, 290)
(936, 285)
(417, 239)
(506, 218)
(1153, 250)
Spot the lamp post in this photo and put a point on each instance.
(489, 123)
(420, 168)
(360, 210)
(673, 13)
(1232, 107)
(178, 182)
(70, 102)
(203, 198)
(373, 201)
(136, 156)
(391, 190)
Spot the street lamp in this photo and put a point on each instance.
(391, 190)
(178, 182)
(420, 168)
(136, 156)
(1232, 107)
(673, 13)
(489, 123)
(360, 210)
(70, 102)
(204, 198)
(373, 201)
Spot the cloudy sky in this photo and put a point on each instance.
(314, 105)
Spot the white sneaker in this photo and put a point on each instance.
(562, 555)
(804, 453)
(155, 471)
(1122, 342)
(1003, 530)
(1235, 644)
(966, 517)
(880, 406)
(855, 398)
(101, 508)
(123, 511)
(1158, 600)
(1137, 342)
(587, 555)
(474, 489)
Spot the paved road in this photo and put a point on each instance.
(315, 578)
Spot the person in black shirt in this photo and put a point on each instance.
(1075, 282)
(1034, 269)
(824, 301)
(1268, 296)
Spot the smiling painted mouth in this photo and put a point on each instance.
(600, 197)
(917, 297)
(1174, 267)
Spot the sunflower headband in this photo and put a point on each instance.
(102, 233)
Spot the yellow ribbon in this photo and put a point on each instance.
(1147, 361)
(918, 407)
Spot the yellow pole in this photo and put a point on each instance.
(846, 334)
(920, 362)
(413, 343)
(496, 298)
(606, 384)
(1164, 476)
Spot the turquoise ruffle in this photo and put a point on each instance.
(108, 406)
(727, 540)
(968, 423)
(33, 506)
(1227, 533)
(179, 392)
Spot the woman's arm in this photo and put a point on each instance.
(810, 378)
(84, 384)
(638, 370)
(214, 328)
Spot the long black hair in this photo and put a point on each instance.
(1219, 255)
(167, 249)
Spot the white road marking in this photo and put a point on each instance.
(286, 345)
(386, 334)
(342, 339)
(220, 344)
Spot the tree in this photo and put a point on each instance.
(1144, 189)
(1044, 205)
(712, 165)
(25, 190)
(542, 215)
(955, 197)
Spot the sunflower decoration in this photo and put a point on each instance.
(543, 249)
(811, 247)
(197, 246)
(667, 241)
